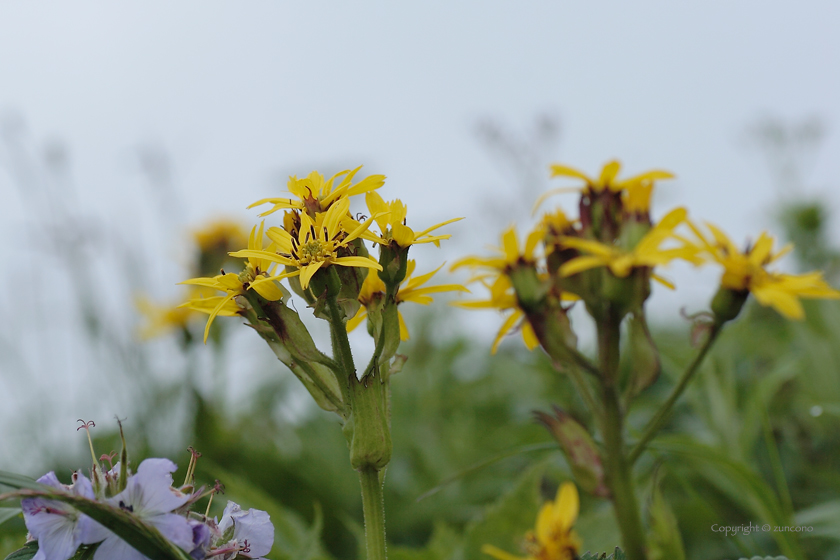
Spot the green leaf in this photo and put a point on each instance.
(824, 518)
(593, 556)
(26, 553)
(665, 541)
(738, 481)
(8, 513)
(618, 554)
(505, 522)
(19, 481)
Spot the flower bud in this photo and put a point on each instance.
(579, 449)
(727, 304)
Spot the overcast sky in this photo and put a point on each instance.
(240, 94)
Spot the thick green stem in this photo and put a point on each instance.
(618, 468)
(658, 421)
(370, 446)
(374, 510)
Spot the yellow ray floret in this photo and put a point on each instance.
(553, 537)
(316, 195)
(503, 298)
(316, 244)
(746, 271)
(647, 253)
(509, 254)
(410, 290)
(256, 275)
(391, 222)
(607, 180)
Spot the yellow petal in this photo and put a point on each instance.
(580, 264)
(436, 226)
(503, 330)
(529, 336)
(357, 319)
(403, 235)
(363, 262)
(403, 328)
(566, 505)
(510, 245)
(667, 283)
(215, 312)
(558, 170)
(307, 272)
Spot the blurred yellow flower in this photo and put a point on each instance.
(495, 279)
(607, 181)
(508, 255)
(391, 222)
(554, 538)
(745, 271)
(373, 289)
(222, 234)
(316, 244)
(160, 319)
(256, 275)
(646, 253)
(316, 195)
(503, 298)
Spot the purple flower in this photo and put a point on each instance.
(201, 539)
(59, 527)
(149, 496)
(251, 532)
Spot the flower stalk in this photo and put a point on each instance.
(618, 469)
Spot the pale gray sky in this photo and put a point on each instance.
(239, 93)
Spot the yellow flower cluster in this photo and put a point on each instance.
(317, 232)
(611, 251)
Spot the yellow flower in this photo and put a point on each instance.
(503, 298)
(391, 222)
(509, 254)
(497, 281)
(316, 244)
(256, 275)
(554, 538)
(316, 195)
(220, 234)
(646, 253)
(373, 290)
(745, 271)
(160, 319)
(607, 181)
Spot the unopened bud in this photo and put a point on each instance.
(579, 449)
(727, 304)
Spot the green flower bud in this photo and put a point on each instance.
(727, 304)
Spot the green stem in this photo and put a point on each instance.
(366, 406)
(618, 468)
(373, 505)
(661, 416)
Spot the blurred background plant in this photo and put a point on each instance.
(754, 440)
